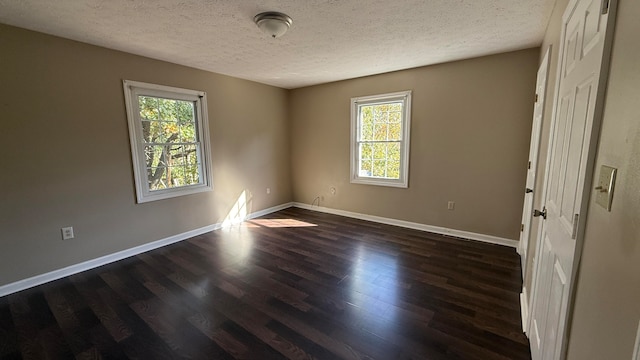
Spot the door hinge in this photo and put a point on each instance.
(574, 232)
(529, 165)
(521, 227)
(537, 94)
(605, 7)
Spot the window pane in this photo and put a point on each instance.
(184, 111)
(395, 131)
(188, 132)
(176, 157)
(365, 168)
(168, 109)
(377, 113)
(366, 122)
(393, 169)
(366, 151)
(393, 151)
(191, 154)
(395, 116)
(148, 107)
(379, 168)
(167, 121)
(152, 132)
(175, 176)
(157, 178)
(379, 151)
(171, 133)
(380, 132)
(155, 155)
(380, 160)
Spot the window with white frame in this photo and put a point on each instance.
(168, 130)
(380, 128)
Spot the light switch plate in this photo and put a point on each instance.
(604, 188)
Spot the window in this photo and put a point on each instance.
(169, 135)
(380, 139)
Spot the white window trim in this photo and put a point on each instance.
(403, 181)
(131, 91)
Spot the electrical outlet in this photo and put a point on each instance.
(333, 191)
(67, 233)
(268, 191)
(451, 205)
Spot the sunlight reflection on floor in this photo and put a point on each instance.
(277, 223)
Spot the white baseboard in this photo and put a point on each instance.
(636, 347)
(412, 225)
(103, 260)
(524, 309)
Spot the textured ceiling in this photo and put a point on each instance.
(329, 40)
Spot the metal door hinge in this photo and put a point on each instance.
(521, 227)
(574, 232)
(605, 7)
(537, 94)
(529, 165)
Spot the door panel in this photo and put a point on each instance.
(556, 297)
(577, 90)
(576, 142)
(532, 168)
(539, 317)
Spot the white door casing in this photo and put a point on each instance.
(586, 30)
(532, 166)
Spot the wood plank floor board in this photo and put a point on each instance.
(295, 284)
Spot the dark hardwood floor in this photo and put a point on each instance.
(295, 284)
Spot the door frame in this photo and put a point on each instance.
(536, 134)
(589, 171)
(525, 241)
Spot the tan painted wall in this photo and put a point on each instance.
(607, 301)
(66, 159)
(470, 131)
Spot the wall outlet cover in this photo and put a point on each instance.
(67, 233)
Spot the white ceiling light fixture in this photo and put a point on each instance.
(273, 23)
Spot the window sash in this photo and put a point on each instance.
(358, 139)
(133, 91)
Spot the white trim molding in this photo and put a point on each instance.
(107, 259)
(357, 138)
(200, 141)
(412, 225)
(524, 310)
(636, 347)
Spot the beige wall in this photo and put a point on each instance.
(66, 159)
(470, 131)
(607, 301)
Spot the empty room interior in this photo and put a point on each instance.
(320, 179)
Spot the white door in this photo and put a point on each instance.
(532, 166)
(577, 100)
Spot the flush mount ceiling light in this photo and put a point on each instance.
(273, 23)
